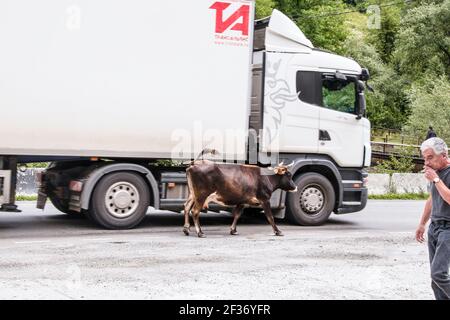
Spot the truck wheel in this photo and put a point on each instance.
(120, 201)
(314, 201)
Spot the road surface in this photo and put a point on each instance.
(366, 255)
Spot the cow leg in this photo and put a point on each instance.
(269, 216)
(188, 205)
(198, 206)
(237, 212)
(187, 209)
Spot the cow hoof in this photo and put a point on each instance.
(234, 233)
(279, 234)
(186, 231)
(201, 235)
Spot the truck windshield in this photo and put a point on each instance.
(338, 94)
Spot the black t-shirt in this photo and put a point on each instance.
(431, 134)
(441, 209)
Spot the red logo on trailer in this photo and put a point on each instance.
(232, 22)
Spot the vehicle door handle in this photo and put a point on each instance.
(324, 135)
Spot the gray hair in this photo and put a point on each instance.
(436, 144)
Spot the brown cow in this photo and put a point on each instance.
(232, 185)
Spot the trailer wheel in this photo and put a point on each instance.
(120, 201)
(314, 202)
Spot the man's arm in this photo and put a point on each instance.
(423, 220)
(443, 190)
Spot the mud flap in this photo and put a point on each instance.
(41, 200)
(279, 213)
(277, 203)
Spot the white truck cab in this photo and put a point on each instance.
(311, 97)
(310, 105)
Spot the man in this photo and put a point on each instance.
(430, 133)
(437, 171)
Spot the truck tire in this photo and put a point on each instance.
(120, 201)
(314, 202)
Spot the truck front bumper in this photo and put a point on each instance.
(350, 207)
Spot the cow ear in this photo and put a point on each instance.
(276, 170)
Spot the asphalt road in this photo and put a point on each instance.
(366, 255)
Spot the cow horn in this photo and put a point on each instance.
(281, 164)
(291, 165)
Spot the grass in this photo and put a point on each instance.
(38, 165)
(397, 196)
(26, 198)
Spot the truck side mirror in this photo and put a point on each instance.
(365, 75)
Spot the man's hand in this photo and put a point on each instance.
(430, 174)
(420, 232)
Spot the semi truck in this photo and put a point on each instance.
(118, 96)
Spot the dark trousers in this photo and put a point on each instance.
(439, 250)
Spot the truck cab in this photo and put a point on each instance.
(309, 107)
(311, 101)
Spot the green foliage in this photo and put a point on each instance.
(400, 196)
(168, 163)
(423, 46)
(314, 17)
(342, 100)
(37, 165)
(359, 4)
(411, 48)
(264, 8)
(402, 162)
(388, 107)
(384, 38)
(26, 198)
(317, 21)
(431, 106)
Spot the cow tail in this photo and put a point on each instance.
(206, 151)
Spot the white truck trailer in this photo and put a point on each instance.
(103, 89)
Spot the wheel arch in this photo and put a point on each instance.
(325, 168)
(95, 176)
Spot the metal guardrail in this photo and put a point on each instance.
(383, 151)
(394, 148)
(387, 135)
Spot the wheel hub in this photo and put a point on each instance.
(122, 199)
(312, 200)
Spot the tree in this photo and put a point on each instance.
(430, 106)
(385, 37)
(411, 48)
(264, 8)
(423, 44)
(318, 21)
(388, 107)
